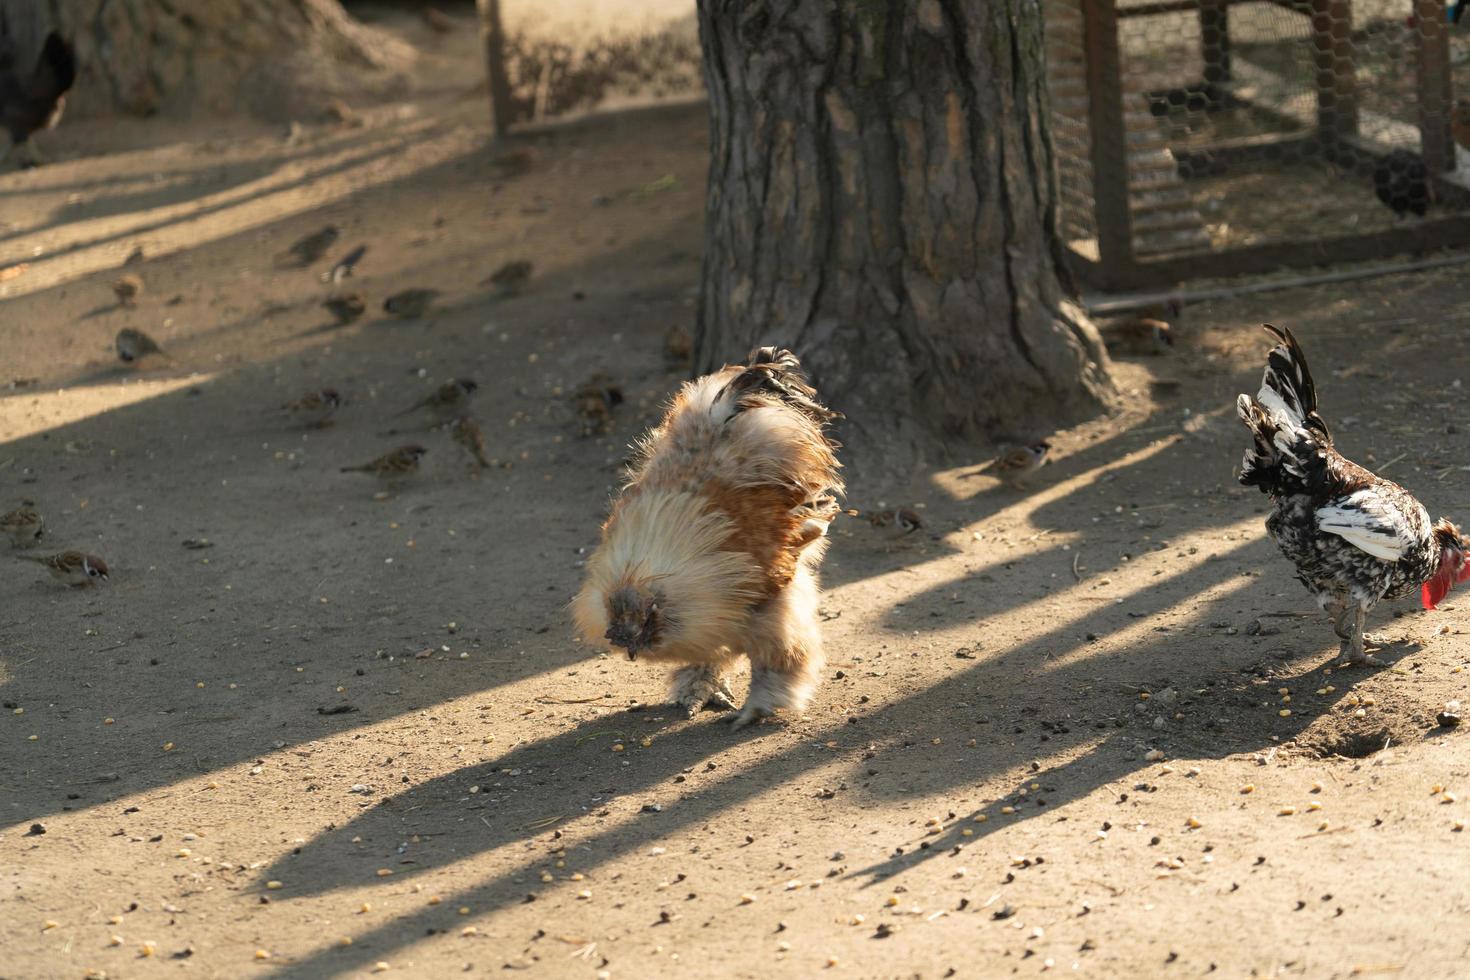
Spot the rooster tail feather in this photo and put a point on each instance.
(1258, 466)
(1289, 438)
(1287, 387)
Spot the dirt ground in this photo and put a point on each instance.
(357, 735)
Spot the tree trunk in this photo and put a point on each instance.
(278, 59)
(882, 200)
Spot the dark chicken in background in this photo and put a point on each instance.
(1354, 537)
(32, 94)
(1401, 182)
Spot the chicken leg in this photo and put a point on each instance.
(785, 653)
(1349, 625)
(701, 687)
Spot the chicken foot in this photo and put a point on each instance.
(701, 687)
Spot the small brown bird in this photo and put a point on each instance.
(411, 303)
(24, 525)
(399, 464)
(511, 278)
(338, 111)
(72, 567)
(678, 346)
(307, 250)
(1146, 332)
(127, 288)
(1015, 465)
(345, 307)
(908, 521)
(314, 409)
(595, 400)
(345, 266)
(1460, 122)
(448, 399)
(134, 346)
(467, 433)
(438, 21)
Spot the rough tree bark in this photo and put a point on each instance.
(278, 59)
(882, 199)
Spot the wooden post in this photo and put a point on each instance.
(1214, 29)
(1433, 46)
(1109, 138)
(1337, 80)
(493, 36)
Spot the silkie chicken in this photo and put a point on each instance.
(712, 549)
(1354, 537)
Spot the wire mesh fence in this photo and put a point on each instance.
(1215, 137)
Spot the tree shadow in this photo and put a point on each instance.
(677, 784)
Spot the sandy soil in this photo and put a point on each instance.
(357, 732)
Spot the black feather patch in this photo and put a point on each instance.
(776, 372)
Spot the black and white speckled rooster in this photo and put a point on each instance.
(1354, 537)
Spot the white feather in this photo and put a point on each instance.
(1368, 523)
(1277, 408)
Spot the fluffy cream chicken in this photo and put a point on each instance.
(711, 551)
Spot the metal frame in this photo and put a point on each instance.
(1337, 139)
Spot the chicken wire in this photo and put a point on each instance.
(1206, 137)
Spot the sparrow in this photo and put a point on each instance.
(1147, 332)
(511, 278)
(467, 433)
(401, 463)
(72, 567)
(314, 409)
(1460, 122)
(410, 303)
(135, 345)
(595, 400)
(345, 266)
(1014, 465)
(678, 346)
(24, 525)
(312, 247)
(127, 288)
(447, 399)
(908, 521)
(345, 307)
